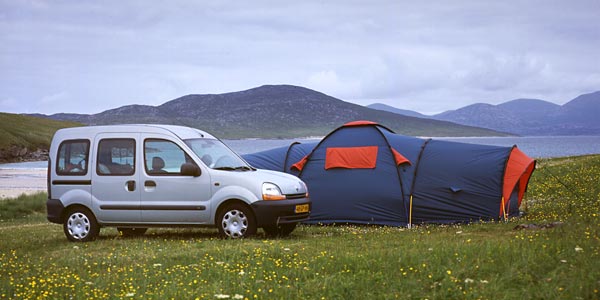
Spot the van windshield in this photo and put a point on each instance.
(216, 155)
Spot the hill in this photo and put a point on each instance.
(27, 137)
(581, 115)
(522, 116)
(482, 115)
(530, 108)
(270, 111)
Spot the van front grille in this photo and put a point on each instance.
(295, 196)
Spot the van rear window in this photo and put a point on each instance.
(72, 158)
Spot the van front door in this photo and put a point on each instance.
(115, 186)
(166, 195)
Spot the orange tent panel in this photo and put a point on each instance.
(518, 171)
(351, 157)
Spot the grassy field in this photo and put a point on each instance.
(27, 131)
(478, 261)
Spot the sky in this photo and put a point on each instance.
(428, 56)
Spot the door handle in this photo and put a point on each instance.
(130, 185)
(150, 183)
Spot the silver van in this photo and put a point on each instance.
(137, 176)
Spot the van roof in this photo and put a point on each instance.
(182, 132)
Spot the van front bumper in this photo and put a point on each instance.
(275, 212)
(55, 209)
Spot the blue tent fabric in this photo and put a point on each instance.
(281, 158)
(477, 170)
(446, 182)
(357, 203)
(296, 152)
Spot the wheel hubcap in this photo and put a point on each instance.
(78, 225)
(235, 223)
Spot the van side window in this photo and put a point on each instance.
(116, 157)
(164, 157)
(73, 157)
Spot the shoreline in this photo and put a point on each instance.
(22, 160)
(15, 182)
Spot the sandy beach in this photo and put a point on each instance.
(14, 182)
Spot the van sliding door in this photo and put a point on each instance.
(115, 179)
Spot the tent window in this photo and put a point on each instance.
(351, 158)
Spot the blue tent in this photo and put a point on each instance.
(364, 173)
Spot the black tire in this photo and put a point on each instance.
(131, 232)
(281, 230)
(236, 221)
(80, 225)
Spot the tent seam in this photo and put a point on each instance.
(417, 165)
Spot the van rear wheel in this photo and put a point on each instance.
(236, 221)
(80, 225)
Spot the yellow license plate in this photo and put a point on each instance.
(301, 208)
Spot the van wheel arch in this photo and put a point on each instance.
(229, 202)
(65, 212)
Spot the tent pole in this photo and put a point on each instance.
(410, 212)
(504, 210)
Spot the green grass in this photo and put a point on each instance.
(22, 207)
(27, 131)
(478, 261)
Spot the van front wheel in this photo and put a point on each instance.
(236, 221)
(80, 225)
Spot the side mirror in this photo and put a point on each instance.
(190, 169)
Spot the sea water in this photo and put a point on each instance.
(533, 146)
(30, 176)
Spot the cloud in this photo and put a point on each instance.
(428, 56)
(9, 104)
(54, 98)
(327, 81)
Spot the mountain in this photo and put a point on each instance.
(481, 115)
(579, 116)
(530, 108)
(404, 112)
(520, 116)
(270, 111)
(525, 116)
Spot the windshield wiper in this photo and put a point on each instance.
(244, 168)
(240, 168)
(225, 168)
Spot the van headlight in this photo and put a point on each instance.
(305, 188)
(303, 185)
(271, 191)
